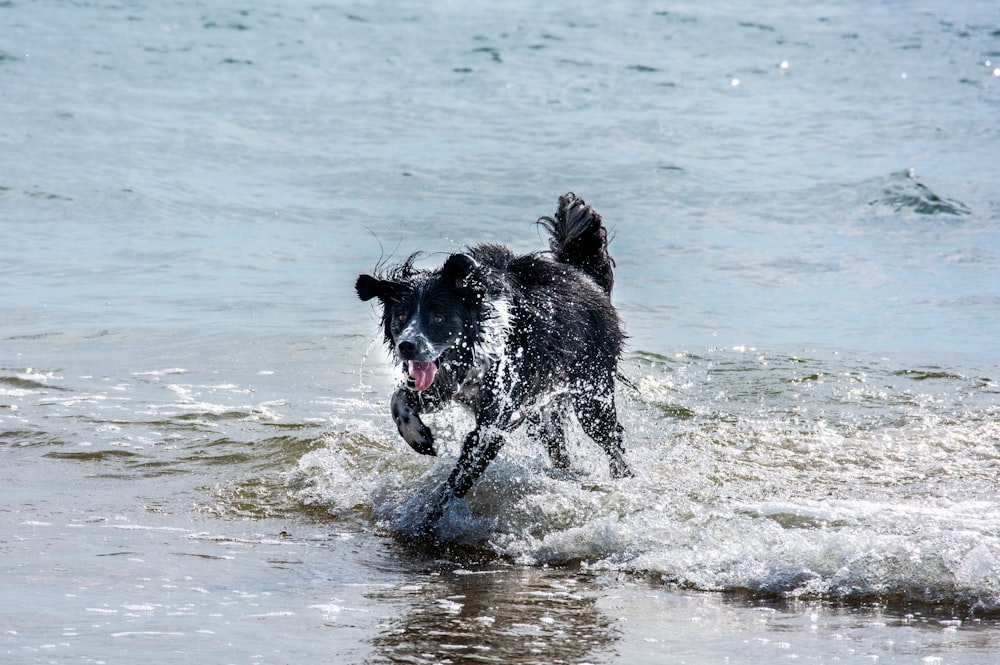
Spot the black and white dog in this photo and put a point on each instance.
(516, 339)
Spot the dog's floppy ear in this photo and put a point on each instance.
(369, 287)
(458, 270)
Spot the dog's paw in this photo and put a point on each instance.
(436, 506)
(418, 435)
(411, 428)
(419, 518)
(620, 469)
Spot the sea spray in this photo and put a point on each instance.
(758, 474)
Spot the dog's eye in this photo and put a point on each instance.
(437, 318)
(401, 317)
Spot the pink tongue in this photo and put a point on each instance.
(422, 373)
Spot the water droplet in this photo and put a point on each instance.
(783, 65)
(734, 82)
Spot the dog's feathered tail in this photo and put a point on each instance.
(579, 239)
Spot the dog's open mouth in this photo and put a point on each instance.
(422, 372)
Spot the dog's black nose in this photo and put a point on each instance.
(406, 349)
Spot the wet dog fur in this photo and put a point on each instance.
(515, 339)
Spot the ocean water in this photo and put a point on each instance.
(197, 457)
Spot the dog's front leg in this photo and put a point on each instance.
(481, 445)
(405, 406)
(496, 414)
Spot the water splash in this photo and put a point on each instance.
(782, 476)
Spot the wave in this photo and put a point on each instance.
(903, 191)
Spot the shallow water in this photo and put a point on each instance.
(197, 457)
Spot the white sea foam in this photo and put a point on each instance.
(889, 500)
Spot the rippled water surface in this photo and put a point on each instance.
(197, 459)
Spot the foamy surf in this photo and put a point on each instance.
(749, 477)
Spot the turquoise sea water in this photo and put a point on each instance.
(197, 459)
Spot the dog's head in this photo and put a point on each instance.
(428, 317)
